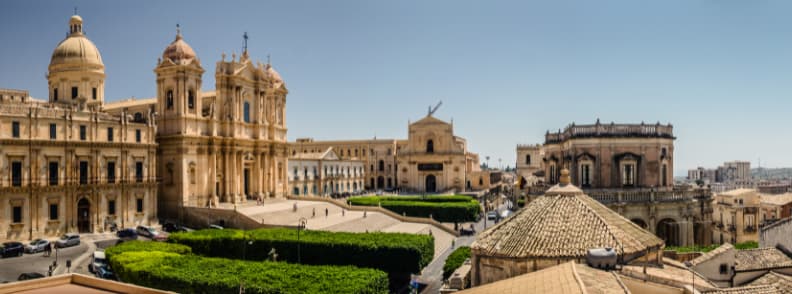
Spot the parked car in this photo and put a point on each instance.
(127, 234)
(492, 215)
(97, 261)
(12, 249)
(172, 228)
(146, 231)
(105, 273)
(467, 232)
(68, 240)
(215, 227)
(29, 276)
(506, 213)
(36, 246)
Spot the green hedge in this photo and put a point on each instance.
(195, 274)
(705, 249)
(458, 208)
(455, 260)
(133, 246)
(390, 252)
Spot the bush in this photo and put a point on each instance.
(390, 252)
(746, 245)
(132, 246)
(455, 260)
(705, 249)
(194, 274)
(458, 208)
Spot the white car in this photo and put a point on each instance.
(97, 261)
(36, 246)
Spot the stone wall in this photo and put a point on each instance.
(776, 234)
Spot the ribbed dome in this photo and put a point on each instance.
(76, 49)
(178, 51)
(274, 76)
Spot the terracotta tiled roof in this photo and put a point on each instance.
(709, 255)
(762, 258)
(781, 282)
(563, 223)
(745, 290)
(567, 278)
(671, 273)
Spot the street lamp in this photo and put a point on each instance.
(300, 226)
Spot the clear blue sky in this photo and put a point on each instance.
(720, 71)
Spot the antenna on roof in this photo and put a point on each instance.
(75, 10)
(433, 110)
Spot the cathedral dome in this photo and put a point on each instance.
(76, 49)
(178, 51)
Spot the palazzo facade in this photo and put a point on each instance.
(66, 165)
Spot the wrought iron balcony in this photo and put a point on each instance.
(732, 228)
(750, 229)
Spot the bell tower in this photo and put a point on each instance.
(179, 74)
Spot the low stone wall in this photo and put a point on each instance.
(410, 219)
(201, 217)
(681, 257)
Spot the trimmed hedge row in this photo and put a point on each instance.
(390, 252)
(442, 208)
(134, 246)
(195, 274)
(455, 260)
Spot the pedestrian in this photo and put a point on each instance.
(453, 243)
(343, 212)
(295, 206)
(314, 213)
(48, 249)
(364, 213)
(327, 212)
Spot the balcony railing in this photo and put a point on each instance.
(750, 210)
(750, 229)
(607, 197)
(611, 130)
(719, 225)
(732, 228)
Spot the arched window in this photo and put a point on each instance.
(191, 99)
(527, 159)
(169, 99)
(246, 111)
(138, 117)
(481, 181)
(430, 146)
(381, 165)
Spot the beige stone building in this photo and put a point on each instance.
(227, 145)
(775, 207)
(726, 266)
(432, 160)
(736, 214)
(529, 166)
(629, 168)
(66, 164)
(324, 174)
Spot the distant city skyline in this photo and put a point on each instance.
(506, 72)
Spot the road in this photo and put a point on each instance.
(432, 274)
(12, 267)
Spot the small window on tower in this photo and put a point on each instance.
(169, 99)
(55, 94)
(190, 99)
(93, 93)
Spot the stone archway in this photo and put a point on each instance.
(668, 230)
(380, 182)
(84, 216)
(641, 223)
(431, 184)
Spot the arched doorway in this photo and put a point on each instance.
(668, 230)
(380, 182)
(641, 223)
(431, 184)
(84, 216)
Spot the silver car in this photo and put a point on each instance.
(36, 246)
(70, 239)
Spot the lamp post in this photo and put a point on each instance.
(300, 226)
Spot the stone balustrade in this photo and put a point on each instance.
(610, 130)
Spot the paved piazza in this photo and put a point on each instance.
(280, 212)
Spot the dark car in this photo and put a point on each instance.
(29, 276)
(467, 232)
(105, 273)
(170, 227)
(12, 249)
(127, 234)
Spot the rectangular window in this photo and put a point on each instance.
(109, 134)
(15, 129)
(93, 93)
(111, 172)
(55, 94)
(585, 175)
(83, 172)
(16, 215)
(83, 133)
(53, 131)
(53, 173)
(16, 173)
(139, 171)
(111, 207)
(628, 176)
(138, 136)
(139, 205)
(724, 269)
(74, 92)
(53, 212)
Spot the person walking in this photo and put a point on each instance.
(327, 212)
(48, 250)
(314, 212)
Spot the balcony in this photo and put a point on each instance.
(750, 210)
(719, 225)
(750, 229)
(732, 228)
